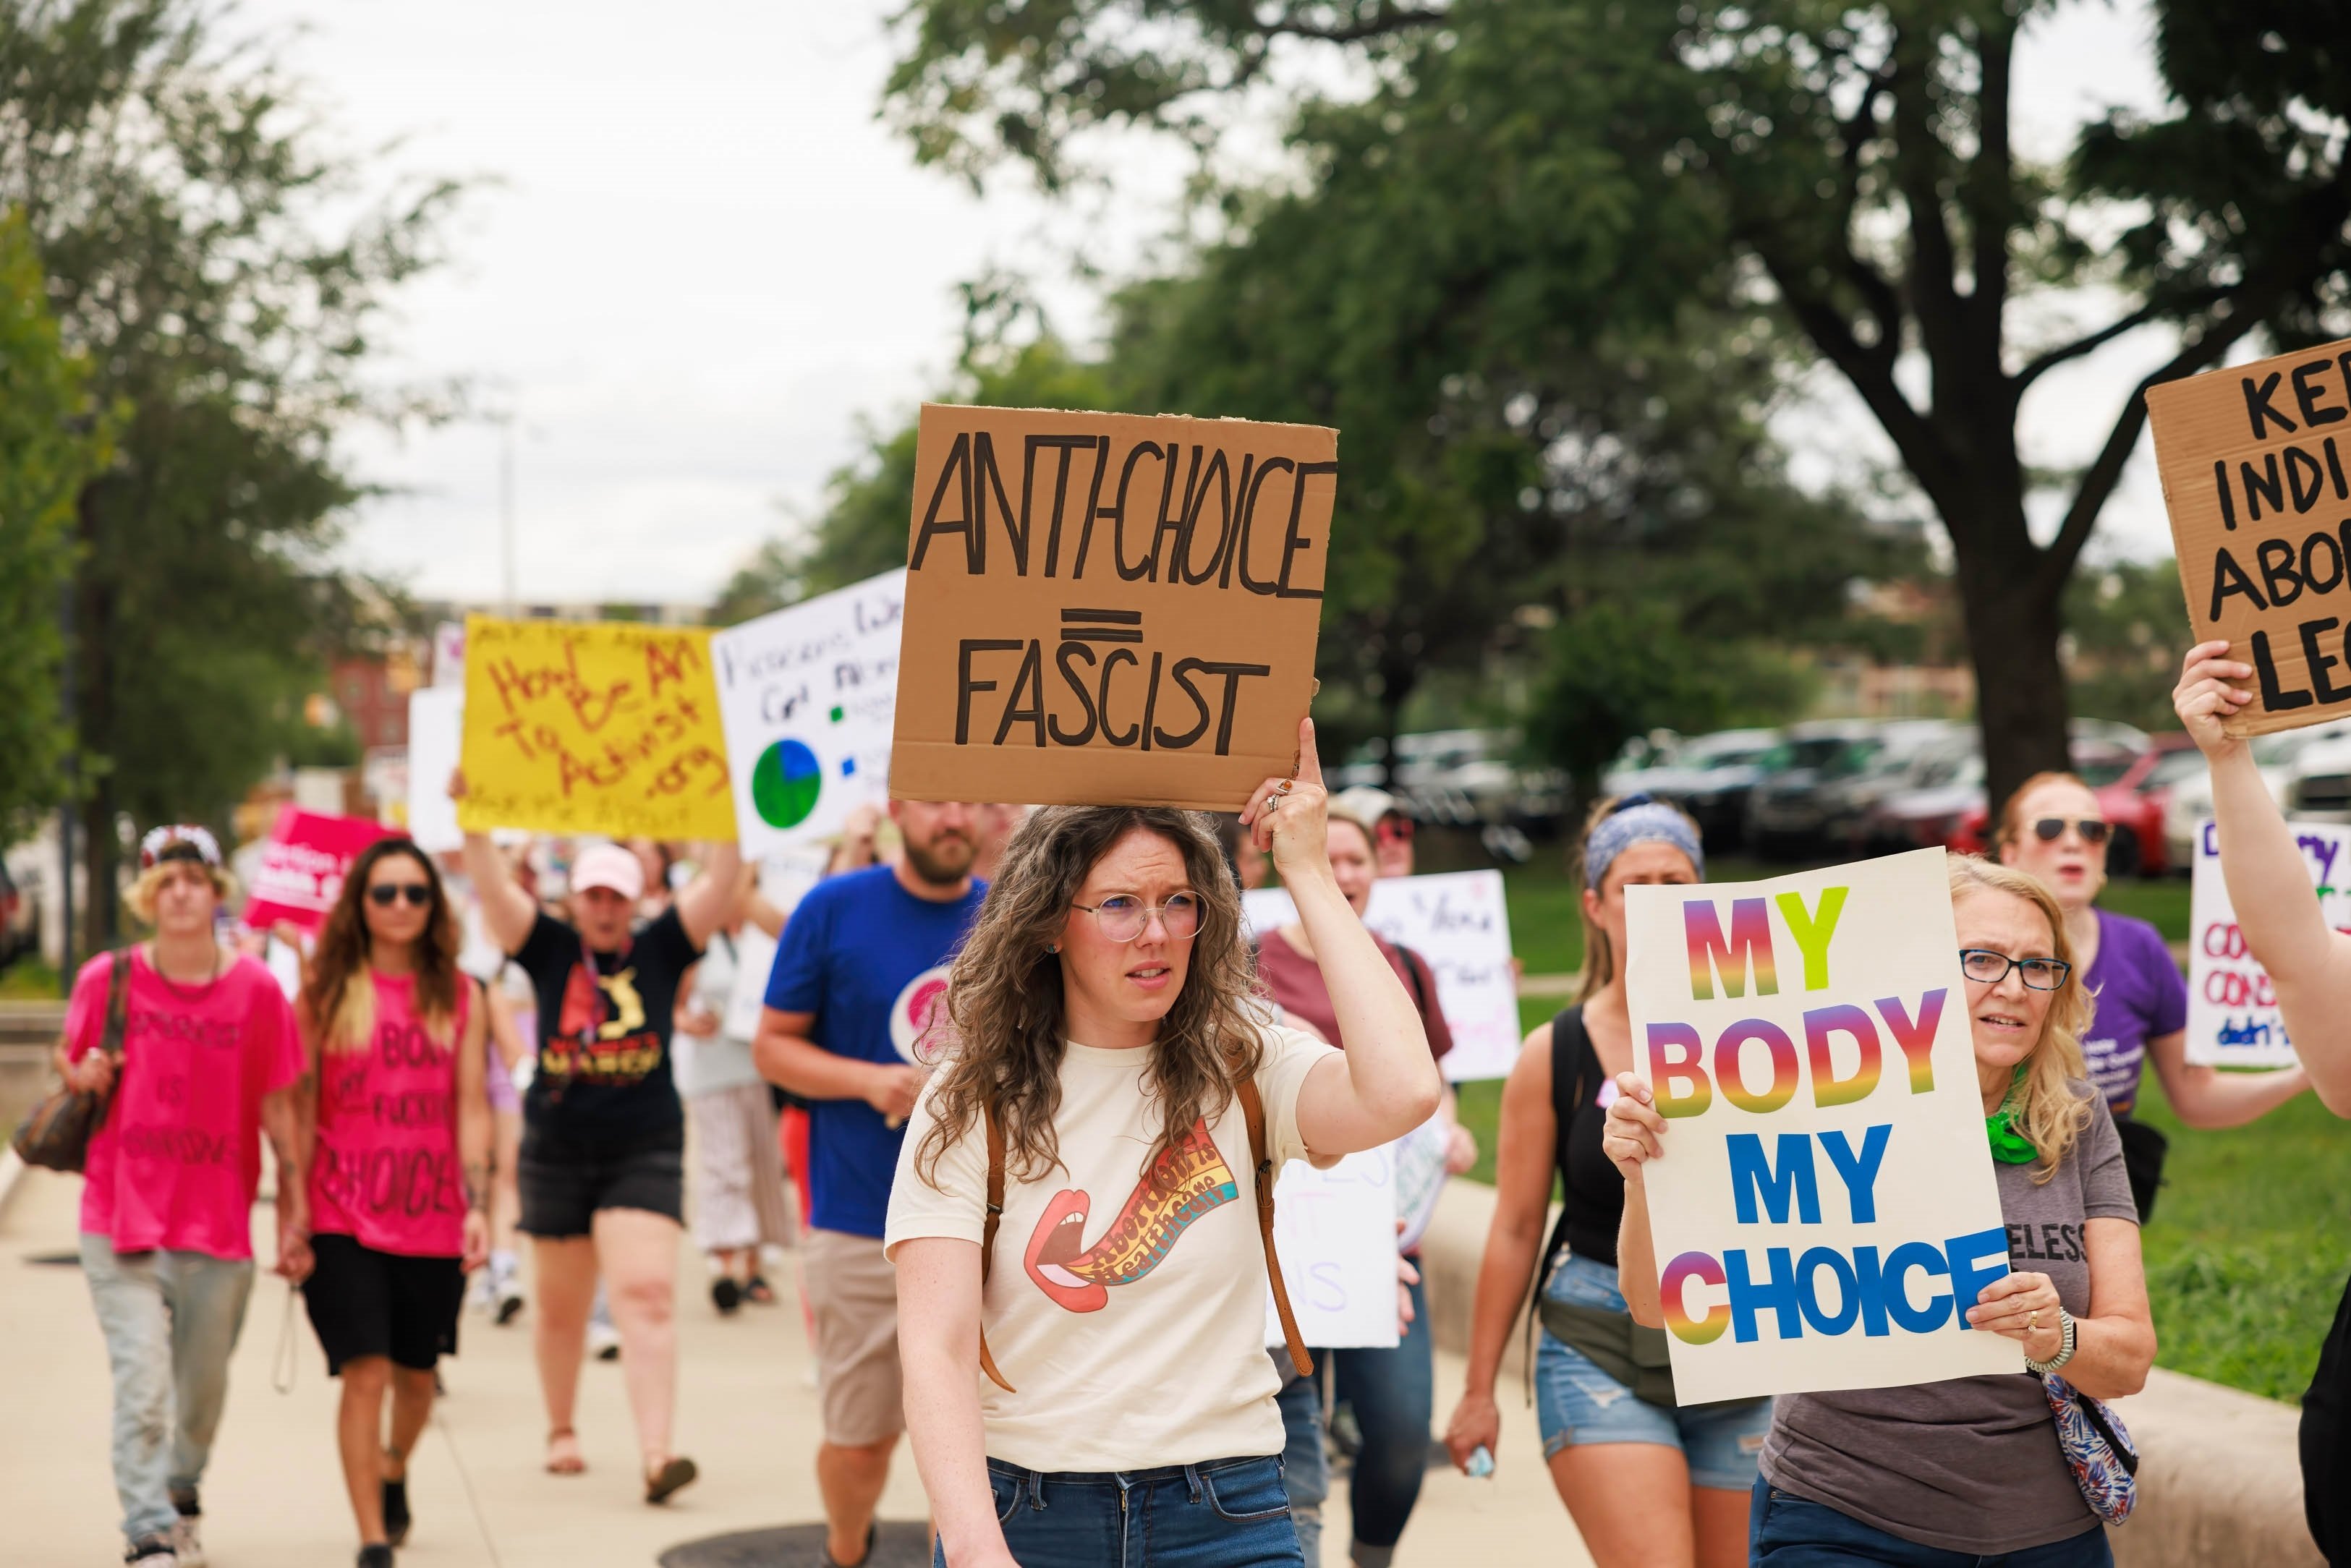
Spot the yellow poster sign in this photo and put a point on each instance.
(593, 728)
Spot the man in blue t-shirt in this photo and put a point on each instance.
(862, 962)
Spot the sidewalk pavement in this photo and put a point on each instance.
(274, 1497)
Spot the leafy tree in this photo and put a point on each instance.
(178, 192)
(2125, 635)
(1855, 161)
(49, 444)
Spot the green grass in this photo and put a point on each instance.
(29, 980)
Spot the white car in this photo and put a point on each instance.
(2308, 772)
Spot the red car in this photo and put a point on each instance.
(2133, 802)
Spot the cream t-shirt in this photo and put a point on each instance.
(1126, 1306)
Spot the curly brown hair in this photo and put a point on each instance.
(1006, 1027)
(340, 1012)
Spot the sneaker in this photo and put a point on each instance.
(378, 1556)
(396, 1513)
(154, 1551)
(480, 1295)
(726, 1294)
(510, 1302)
(603, 1341)
(186, 1547)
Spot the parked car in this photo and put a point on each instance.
(2280, 760)
(1709, 776)
(1954, 813)
(1910, 753)
(1784, 811)
(2134, 804)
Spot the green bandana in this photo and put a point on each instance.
(2008, 1145)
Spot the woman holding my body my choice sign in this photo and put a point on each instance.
(1967, 1471)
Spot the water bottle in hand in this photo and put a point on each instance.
(1481, 1463)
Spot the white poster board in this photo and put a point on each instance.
(1335, 1233)
(1458, 922)
(436, 728)
(449, 654)
(808, 696)
(2232, 1014)
(1809, 1042)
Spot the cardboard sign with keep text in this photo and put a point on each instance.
(1109, 609)
(2256, 467)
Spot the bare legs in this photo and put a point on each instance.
(1635, 1508)
(852, 1481)
(563, 1270)
(367, 1460)
(637, 1250)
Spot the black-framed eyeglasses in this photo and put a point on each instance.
(1986, 967)
(385, 895)
(2094, 829)
(1122, 918)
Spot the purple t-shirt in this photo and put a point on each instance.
(2139, 995)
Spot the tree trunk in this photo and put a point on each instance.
(1397, 679)
(94, 634)
(2020, 699)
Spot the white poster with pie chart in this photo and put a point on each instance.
(809, 697)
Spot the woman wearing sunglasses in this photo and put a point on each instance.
(2052, 828)
(1966, 1471)
(398, 1153)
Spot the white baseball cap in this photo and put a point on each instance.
(609, 866)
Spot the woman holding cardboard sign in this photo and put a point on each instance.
(1647, 1483)
(2310, 966)
(1971, 1470)
(1114, 1099)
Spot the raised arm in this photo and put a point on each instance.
(2309, 965)
(1385, 1082)
(1522, 1183)
(939, 1349)
(710, 899)
(507, 913)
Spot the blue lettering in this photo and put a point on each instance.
(1928, 1259)
(1809, 1298)
(1778, 1293)
(1967, 1277)
(1860, 1171)
(1870, 1288)
(1751, 1174)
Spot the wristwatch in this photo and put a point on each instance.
(2065, 1350)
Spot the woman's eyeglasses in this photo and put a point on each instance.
(1122, 918)
(1986, 967)
(2094, 829)
(385, 895)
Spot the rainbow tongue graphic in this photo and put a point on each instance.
(1188, 1179)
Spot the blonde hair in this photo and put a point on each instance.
(1599, 961)
(2012, 812)
(140, 898)
(2053, 1112)
(1331, 815)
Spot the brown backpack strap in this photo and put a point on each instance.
(988, 1231)
(1253, 1112)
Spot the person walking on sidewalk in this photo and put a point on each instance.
(1106, 1057)
(398, 1145)
(603, 1150)
(859, 969)
(209, 1062)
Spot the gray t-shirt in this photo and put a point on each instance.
(1971, 1464)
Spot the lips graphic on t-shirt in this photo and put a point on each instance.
(1186, 1180)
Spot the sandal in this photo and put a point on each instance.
(758, 1293)
(673, 1477)
(564, 1464)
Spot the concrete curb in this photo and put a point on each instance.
(2220, 1480)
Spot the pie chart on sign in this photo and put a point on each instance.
(785, 784)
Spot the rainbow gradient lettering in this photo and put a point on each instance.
(1749, 947)
(1678, 1273)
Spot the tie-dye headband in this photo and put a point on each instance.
(1638, 820)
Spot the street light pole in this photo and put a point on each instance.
(507, 508)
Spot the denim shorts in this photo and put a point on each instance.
(1576, 1403)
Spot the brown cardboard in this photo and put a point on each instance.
(1051, 553)
(2256, 467)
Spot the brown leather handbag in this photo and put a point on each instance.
(56, 1135)
(1252, 1112)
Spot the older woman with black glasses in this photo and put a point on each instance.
(2053, 828)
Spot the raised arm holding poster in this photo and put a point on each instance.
(1827, 1211)
(593, 728)
(1109, 609)
(2256, 467)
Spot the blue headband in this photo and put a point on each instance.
(1638, 820)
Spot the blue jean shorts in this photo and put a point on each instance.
(1576, 1403)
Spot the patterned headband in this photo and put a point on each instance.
(1638, 820)
(178, 842)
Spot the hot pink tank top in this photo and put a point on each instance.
(386, 1169)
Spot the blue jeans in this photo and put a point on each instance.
(171, 1320)
(1305, 1467)
(1788, 1532)
(1393, 1392)
(1229, 1513)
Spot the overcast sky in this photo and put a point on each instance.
(705, 260)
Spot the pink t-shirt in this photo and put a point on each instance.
(385, 1168)
(179, 1158)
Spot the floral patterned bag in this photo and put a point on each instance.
(2097, 1450)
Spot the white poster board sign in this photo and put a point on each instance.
(449, 654)
(809, 697)
(2232, 1014)
(1827, 1211)
(1458, 922)
(436, 728)
(1335, 1233)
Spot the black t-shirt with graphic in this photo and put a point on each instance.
(603, 1042)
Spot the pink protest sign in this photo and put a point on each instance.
(302, 867)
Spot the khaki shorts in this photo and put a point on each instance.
(853, 1292)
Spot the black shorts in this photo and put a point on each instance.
(366, 1303)
(565, 1181)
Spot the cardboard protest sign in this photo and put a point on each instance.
(303, 865)
(593, 728)
(2256, 467)
(2232, 1014)
(808, 695)
(1335, 1233)
(437, 720)
(1456, 921)
(1825, 1211)
(1109, 609)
